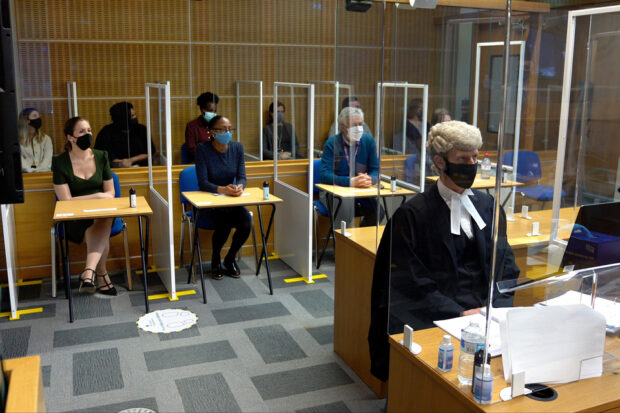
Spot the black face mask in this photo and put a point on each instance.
(419, 114)
(133, 121)
(462, 174)
(35, 123)
(84, 141)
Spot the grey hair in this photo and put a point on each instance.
(347, 113)
(452, 134)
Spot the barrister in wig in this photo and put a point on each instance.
(434, 259)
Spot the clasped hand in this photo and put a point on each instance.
(232, 190)
(362, 180)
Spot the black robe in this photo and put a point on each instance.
(416, 275)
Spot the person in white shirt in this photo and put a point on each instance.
(434, 259)
(36, 147)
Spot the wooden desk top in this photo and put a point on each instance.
(516, 230)
(200, 199)
(25, 385)
(596, 394)
(480, 183)
(364, 238)
(100, 208)
(349, 192)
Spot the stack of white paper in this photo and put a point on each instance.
(553, 343)
(453, 326)
(609, 309)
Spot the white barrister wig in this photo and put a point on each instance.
(453, 134)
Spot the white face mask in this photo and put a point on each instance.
(355, 133)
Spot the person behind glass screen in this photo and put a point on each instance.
(413, 131)
(82, 173)
(124, 139)
(435, 252)
(220, 168)
(36, 147)
(351, 147)
(353, 102)
(285, 136)
(440, 115)
(197, 130)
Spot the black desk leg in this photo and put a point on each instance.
(67, 271)
(331, 232)
(264, 237)
(196, 246)
(143, 252)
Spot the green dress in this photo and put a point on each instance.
(63, 174)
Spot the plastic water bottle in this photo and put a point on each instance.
(446, 354)
(265, 190)
(472, 340)
(393, 183)
(132, 198)
(483, 385)
(486, 166)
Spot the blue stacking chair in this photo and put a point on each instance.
(529, 172)
(188, 181)
(184, 155)
(410, 168)
(118, 226)
(319, 209)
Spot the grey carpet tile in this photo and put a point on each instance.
(188, 355)
(190, 332)
(250, 312)
(230, 289)
(316, 302)
(49, 311)
(96, 371)
(85, 335)
(29, 292)
(208, 393)
(14, 342)
(337, 407)
(86, 306)
(46, 371)
(322, 334)
(274, 344)
(149, 403)
(303, 380)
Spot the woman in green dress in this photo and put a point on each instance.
(84, 173)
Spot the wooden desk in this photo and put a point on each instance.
(25, 385)
(355, 260)
(102, 208)
(416, 385)
(345, 192)
(480, 183)
(251, 196)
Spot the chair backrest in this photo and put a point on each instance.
(188, 181)
(117, 185)
(528, 165)
(316, 176)
(410, 167)
(184, 154)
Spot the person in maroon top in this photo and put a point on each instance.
(197, 130)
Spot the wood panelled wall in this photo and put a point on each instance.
(111, 48)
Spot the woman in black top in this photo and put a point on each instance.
(82, 173)
(220, 169)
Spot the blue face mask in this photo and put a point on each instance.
(224, 138)
(209, 115)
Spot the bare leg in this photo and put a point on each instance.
(97, 238)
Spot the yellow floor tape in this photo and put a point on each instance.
(298, 279)
(22, 312)
(20, 283)
(167, 295)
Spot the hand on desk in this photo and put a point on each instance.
(362, 180)
(122, 163)
(284, 155)
(470, 312)
(231, 190)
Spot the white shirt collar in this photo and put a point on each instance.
(461, 210)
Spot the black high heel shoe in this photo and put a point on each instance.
(111, 290)
(86, 284)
